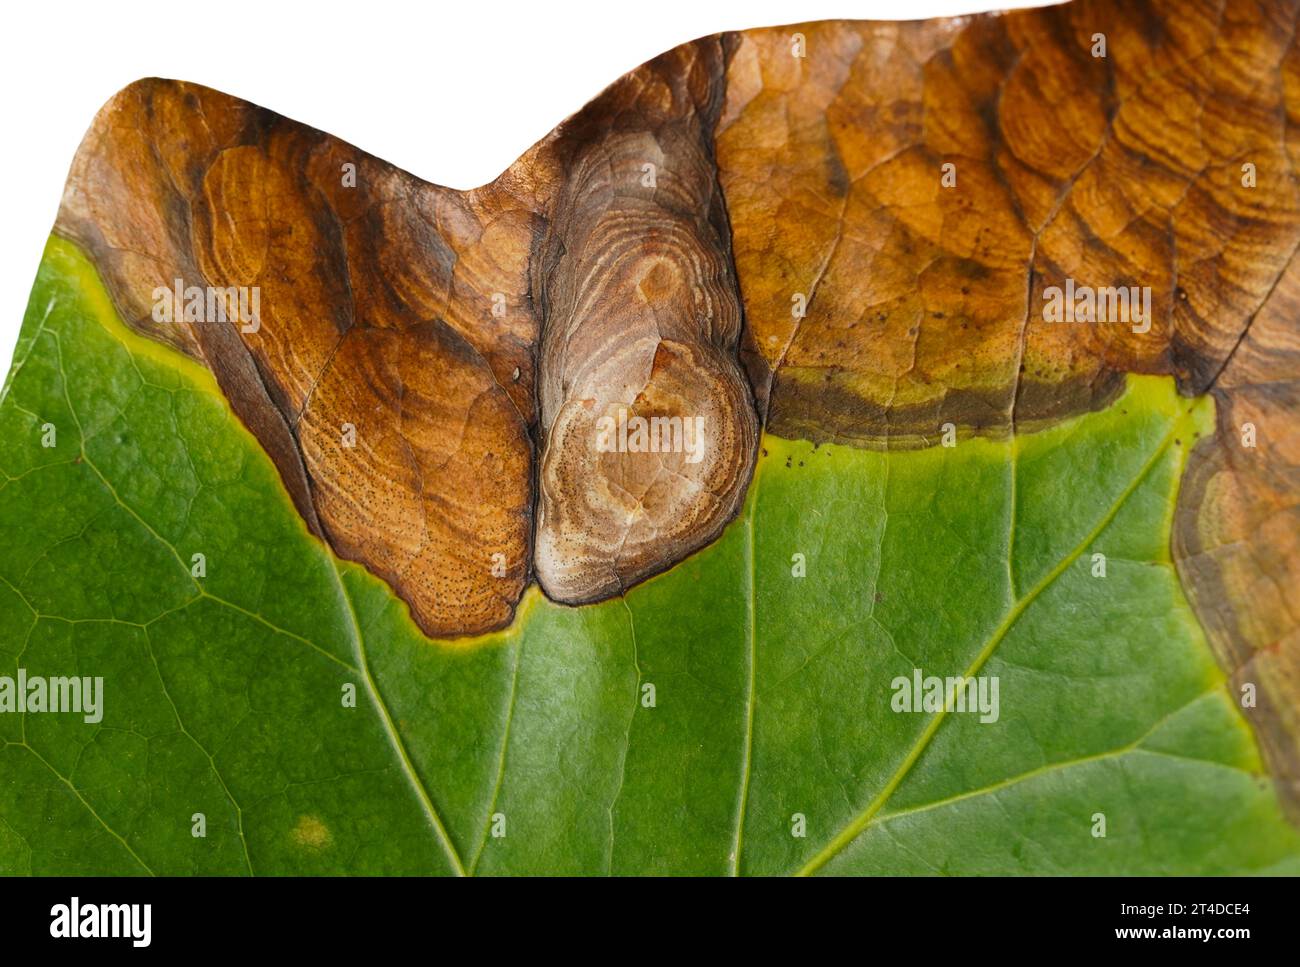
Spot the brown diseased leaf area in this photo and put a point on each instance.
(376, 314)
(795, 257)
(925, 302)
(642, 321)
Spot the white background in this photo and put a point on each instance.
(451, 91)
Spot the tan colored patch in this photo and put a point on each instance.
(311, 833)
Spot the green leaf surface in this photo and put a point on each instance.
(772, 692)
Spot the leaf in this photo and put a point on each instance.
(848, 232)
(772, 693)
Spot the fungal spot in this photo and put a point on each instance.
(310, 833)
